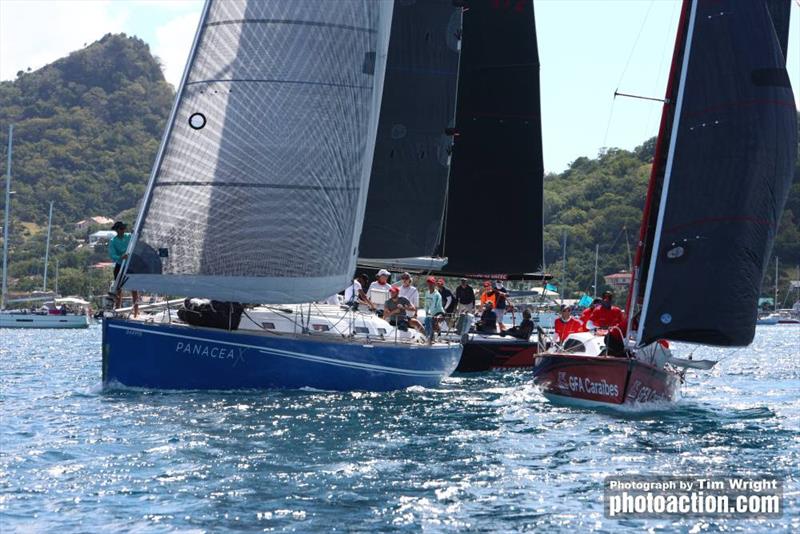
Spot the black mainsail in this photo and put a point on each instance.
(493, 221)
(259, 188)
(726, 176)
(408, 184)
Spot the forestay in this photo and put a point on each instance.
(258, 193)
(728, 173)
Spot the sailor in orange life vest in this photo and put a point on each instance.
(566, 324)
(609, 317)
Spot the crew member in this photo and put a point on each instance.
(488, 321)
(408, 290)
(608, 317)
(378, 290)
(524, 329)
(465, 296)
(566, 324)
(396, 311)
(488, 294)
(448, 299)
(434, 310)
(118, 252)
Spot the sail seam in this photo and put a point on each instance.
(275, 80)
(264, 186)
(292, 22)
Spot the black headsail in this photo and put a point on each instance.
(494, 208)
(412, 151)
(728, 170)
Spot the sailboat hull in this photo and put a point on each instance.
(491, 353)
(602, 380)
(180, 357)
(32, 320)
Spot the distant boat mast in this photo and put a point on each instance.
(47, 246)
(5, 218)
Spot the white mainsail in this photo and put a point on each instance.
(259, 190)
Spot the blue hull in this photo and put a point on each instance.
(181, 357)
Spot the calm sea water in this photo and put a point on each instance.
(479, 453)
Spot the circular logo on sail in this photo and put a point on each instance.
(197, 121)
(398, 131)
(675, 252)
(666, 318)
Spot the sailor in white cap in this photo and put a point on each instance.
(379, 289)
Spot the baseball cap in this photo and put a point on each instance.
(431, 280)
(394, 289)
(384, 272)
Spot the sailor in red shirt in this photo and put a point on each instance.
(566, 324)
(588, 311)
(611, 318)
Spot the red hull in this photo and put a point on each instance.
(482, 355)
(602, 379)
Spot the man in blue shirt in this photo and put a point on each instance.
(118, 252)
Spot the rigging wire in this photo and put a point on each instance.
(657, 82)
(625, 70)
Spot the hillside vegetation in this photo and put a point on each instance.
(87, 129)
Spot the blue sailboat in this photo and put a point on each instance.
(258, 195)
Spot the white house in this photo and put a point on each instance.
(101, 237)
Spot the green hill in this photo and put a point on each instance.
(600, 200)
(87, 129)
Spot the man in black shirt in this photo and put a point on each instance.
(525, 328)
(488, 322)
(465, 298)
(448, 300)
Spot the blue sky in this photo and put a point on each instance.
(588, 48)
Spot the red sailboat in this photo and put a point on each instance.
(721, 174)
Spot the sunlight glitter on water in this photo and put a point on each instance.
(484, 452)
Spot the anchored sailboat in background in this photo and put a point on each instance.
(49, 315)
(721, 173)
(259, 191)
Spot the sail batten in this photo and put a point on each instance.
(730, 165)
(260, 192)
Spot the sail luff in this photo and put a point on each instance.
(259, 192)
(148, 194)
(662, 144)
(668, 173)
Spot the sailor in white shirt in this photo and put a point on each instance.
(379, 289)
(407, 290)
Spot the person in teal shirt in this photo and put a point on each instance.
(434, 310)
(118, 252)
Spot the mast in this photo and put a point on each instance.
(564, 261)
(5, 217)
(662, 144)
(47, 246)
(775, 302)
(596, 256)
